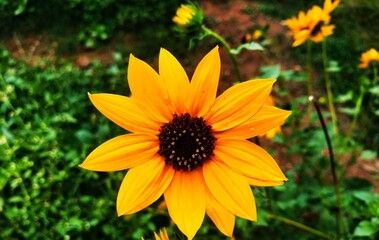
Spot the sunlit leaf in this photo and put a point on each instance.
(368, 155)
(272, 71)
(366, 229)
(252, 46)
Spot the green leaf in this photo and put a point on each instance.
(344, 97)
(7, 134)
(272, 71)
(262, 218)
(293, 76)
(21, 7)
(375, 90)
(365, 229)
(16, 199)
(252, 46)
(333, 67)
(365, 196)
(84, 136)
(368, 155)
(347, 110)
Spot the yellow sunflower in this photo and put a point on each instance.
(368, 57)
(188, 145)
(313, 25)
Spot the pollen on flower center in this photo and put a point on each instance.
(186, 142)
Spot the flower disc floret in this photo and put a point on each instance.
(186, 142)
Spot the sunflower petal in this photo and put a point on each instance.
(185, 199)
(265, 119)
(204, 83)
(124, 112)
(122, 152)
(238, 104)
(221, 217)
(175, 79)
(249, 160)
(143, 185)
(230, 189)
(148, 88)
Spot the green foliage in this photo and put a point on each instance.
(93, 21)
(48, 126)
(252, 46)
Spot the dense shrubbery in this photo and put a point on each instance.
(92, 21)
(48, 126)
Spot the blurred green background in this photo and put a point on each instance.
(48, 126)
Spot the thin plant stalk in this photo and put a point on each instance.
(375, 70)
(309, 71)
(332, 166)
(228, 48)
(357, 110)
(300, 226)
(329, 88)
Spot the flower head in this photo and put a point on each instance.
(188, 16)
(312, 25)
(368, 57)
(185, 142)
(256, 35)
(162, 235)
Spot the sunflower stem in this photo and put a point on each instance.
(332, 166)
(299, 225)
(228, 49)
(375, 70)
(329, 88)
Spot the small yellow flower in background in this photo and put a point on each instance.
(162, 235)
(188, 16)
(256, 35)
(271, 133)
(184, 15)
(188, 145)
(368, 57)
(312, 25)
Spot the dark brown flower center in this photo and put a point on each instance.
(186, 142)
(317, 29)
